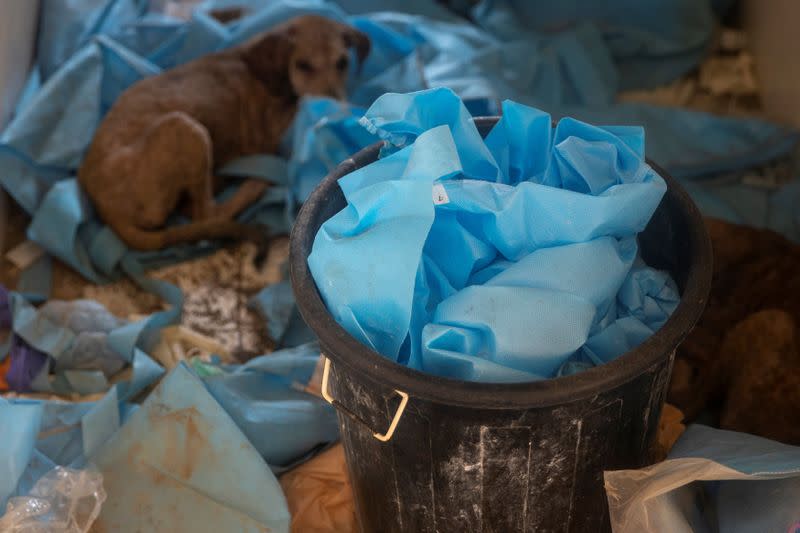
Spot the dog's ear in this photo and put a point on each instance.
(268, 58)
(359, 40)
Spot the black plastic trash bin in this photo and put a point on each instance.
(429, 454)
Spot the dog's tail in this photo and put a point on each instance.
(211, 229)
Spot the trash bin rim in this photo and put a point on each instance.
(352, 356)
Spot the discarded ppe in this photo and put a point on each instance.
(62, 501)
(91, 323)
(40, 435)
(73, 347)
(180, 463)
(267, 399)
(89, 52)
(248, 415)
(497, 260)
(713, 480)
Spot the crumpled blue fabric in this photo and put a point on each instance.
(180, 459)
(92, 50)
(265, 399)
(488, 261)
(91, 323)
(48, 433)
(651, 43)
(84, 345)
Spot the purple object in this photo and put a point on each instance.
(5, 308)
(26, 362)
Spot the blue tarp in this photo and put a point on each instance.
(249, 415)
(512, 258)
(567, 60)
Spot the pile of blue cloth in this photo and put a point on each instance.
(512, 258)
(219, 436)
(569, 59)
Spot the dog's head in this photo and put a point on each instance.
(308, 55)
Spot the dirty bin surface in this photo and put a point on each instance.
(468, 456)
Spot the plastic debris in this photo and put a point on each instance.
(62, 501)
(237, 419)
(88, 55)
(91, 323)
(499, 260)
(77, 346)
(47, 434)
(713, 480)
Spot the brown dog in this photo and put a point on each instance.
(161, 141)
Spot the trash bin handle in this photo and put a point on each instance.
(383, 437)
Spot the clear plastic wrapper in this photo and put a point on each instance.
(62, 501)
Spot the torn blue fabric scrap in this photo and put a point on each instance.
(480, 260)
(181, 462)
(49, 433)
(260, 408)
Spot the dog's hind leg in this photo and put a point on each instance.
(247, 193)
(179, 149)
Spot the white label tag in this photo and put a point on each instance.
(440, 195)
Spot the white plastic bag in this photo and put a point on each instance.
(713, 481)
(62, 501)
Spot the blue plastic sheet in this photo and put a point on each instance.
(568, 60)
(265, 399)
(651, 43)
(180, 462)
(713, 480)
(260, 406)
(50, 433)
(84, 344)
(499, 260)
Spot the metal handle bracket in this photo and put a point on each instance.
(383, 437)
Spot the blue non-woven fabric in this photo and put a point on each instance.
(48, 433)
(651, 42)
(92, 50)
(265, 399)
(216, 476)
(455, 264)
(85, 346)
